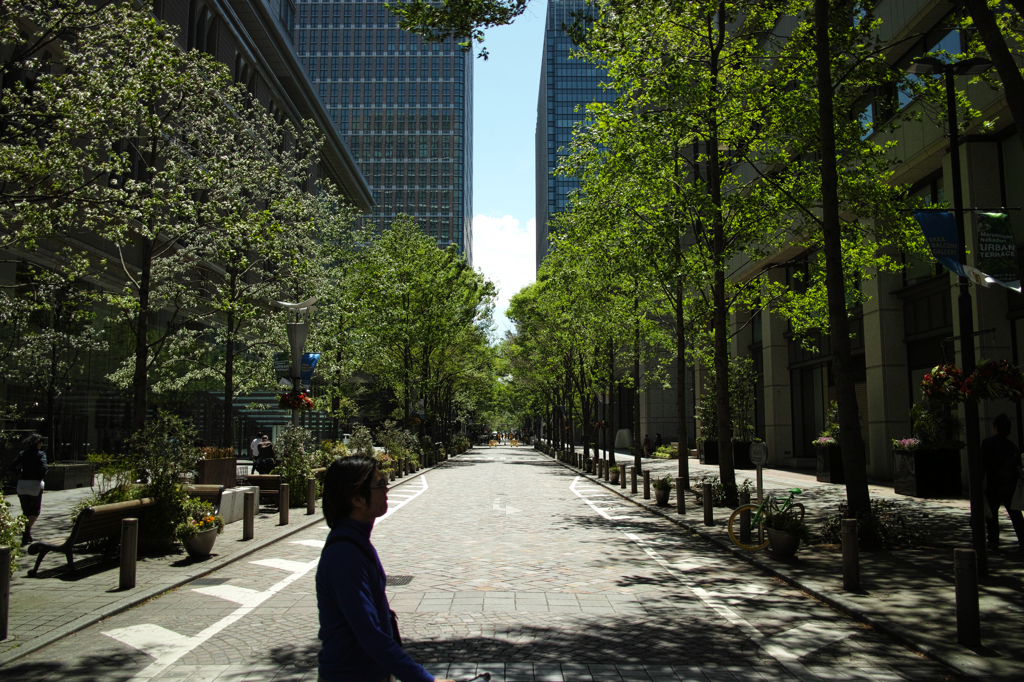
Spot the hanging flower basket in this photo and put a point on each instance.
(944, 385)
(295, 401)
(995, 380)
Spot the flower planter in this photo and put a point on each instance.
(661, 496)
(927, 473)
(614, 477)
(740, 453)
(830, 464)
(218, 472)
(68, 476)
(783, 544)
(201, 544)
(708, 451)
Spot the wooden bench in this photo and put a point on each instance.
(269, 484)
(207, 493)
(93, 523)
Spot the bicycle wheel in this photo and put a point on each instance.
(734, 530)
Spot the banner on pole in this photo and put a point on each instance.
(309, 361)
(997, 250)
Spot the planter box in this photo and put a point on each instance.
(927, 473)
(740, 453)
(830, 464)
(68, 476)
(218, 472)
(708, 451)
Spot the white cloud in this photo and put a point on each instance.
(506, 252)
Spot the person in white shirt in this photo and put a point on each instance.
(254, 447)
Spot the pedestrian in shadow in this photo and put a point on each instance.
(647, 446)
(358, 630)
(1001, 460)
(30, 466)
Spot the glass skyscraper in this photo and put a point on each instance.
(564, 85)
(403, 106)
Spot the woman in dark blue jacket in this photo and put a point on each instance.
(359, 643)
(31, 463)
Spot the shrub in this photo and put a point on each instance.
(667, 452)
(11, 528)
(718, 490)
(361, 442)
(788, 522)
(296, 460)
(663, 483)
(397, 443)
(198, 517)
(211, 452)
(884, 527)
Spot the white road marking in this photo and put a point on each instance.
(809, 637)
(167, 646)
(319, 544)
(591, 504)
(239, 595)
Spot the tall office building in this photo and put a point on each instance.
(403, 106)
(564, 85)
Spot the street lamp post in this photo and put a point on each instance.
(298, 316)
(965, 307)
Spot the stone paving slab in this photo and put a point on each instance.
(909, 594)
(519, 527)
(57, 602)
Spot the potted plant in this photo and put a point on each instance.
(785, 531)
(613, 474)
(826, 447)
(662, 488)
(200, 528)
(928, 464)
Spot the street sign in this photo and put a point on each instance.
(759, 453)
(283, 365)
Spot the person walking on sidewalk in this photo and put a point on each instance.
(358, 630)
(1001, 459)
(31, 467)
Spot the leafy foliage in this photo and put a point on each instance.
(198, 517)
(883, 527)
(11, 527)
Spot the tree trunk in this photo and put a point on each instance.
(140, 382)
(851, 443)
(228, 433)
(611, 403)
(683, 436)
(637, 446)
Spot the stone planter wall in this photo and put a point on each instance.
(68, 476)
(927, 473)
(708, 451)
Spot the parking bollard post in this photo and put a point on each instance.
(647, 484)
(680, 495)
(745, 518)
(606, 467)
(5, 589)
(622, 476)
(129, 553)
(968, 615)
(311, 495)
(282, 505)
(248, 515)
(632, 479)
(709, 514)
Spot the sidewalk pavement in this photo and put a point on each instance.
(57, 602)
(907, 593)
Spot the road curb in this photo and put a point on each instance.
(957, 662)
(153, 592)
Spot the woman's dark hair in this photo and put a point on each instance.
(1002, 424)
(346, 478)
(32, 440)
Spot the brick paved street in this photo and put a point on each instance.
(502, 560)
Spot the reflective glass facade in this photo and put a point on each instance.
(564, 85)
(403, 106)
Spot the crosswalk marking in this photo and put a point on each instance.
(319, 544)
(239, 595)
(281, 564)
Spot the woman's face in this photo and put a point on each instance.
(376, 505)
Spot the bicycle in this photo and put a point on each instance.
(759, 513)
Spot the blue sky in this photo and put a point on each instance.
(504, 124)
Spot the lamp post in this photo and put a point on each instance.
(965, 312)
(298, 316)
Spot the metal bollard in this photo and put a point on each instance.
(607, 470)
(851, 556)
(282, 505)
(709, 514)
(5, 589)
(647, 484)
(680, 495)
(968, 615)
(311, 495)
(632, 480)
(745, 518)
(248, 515)
(391, 474)
(622, 476)
(129, 553)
